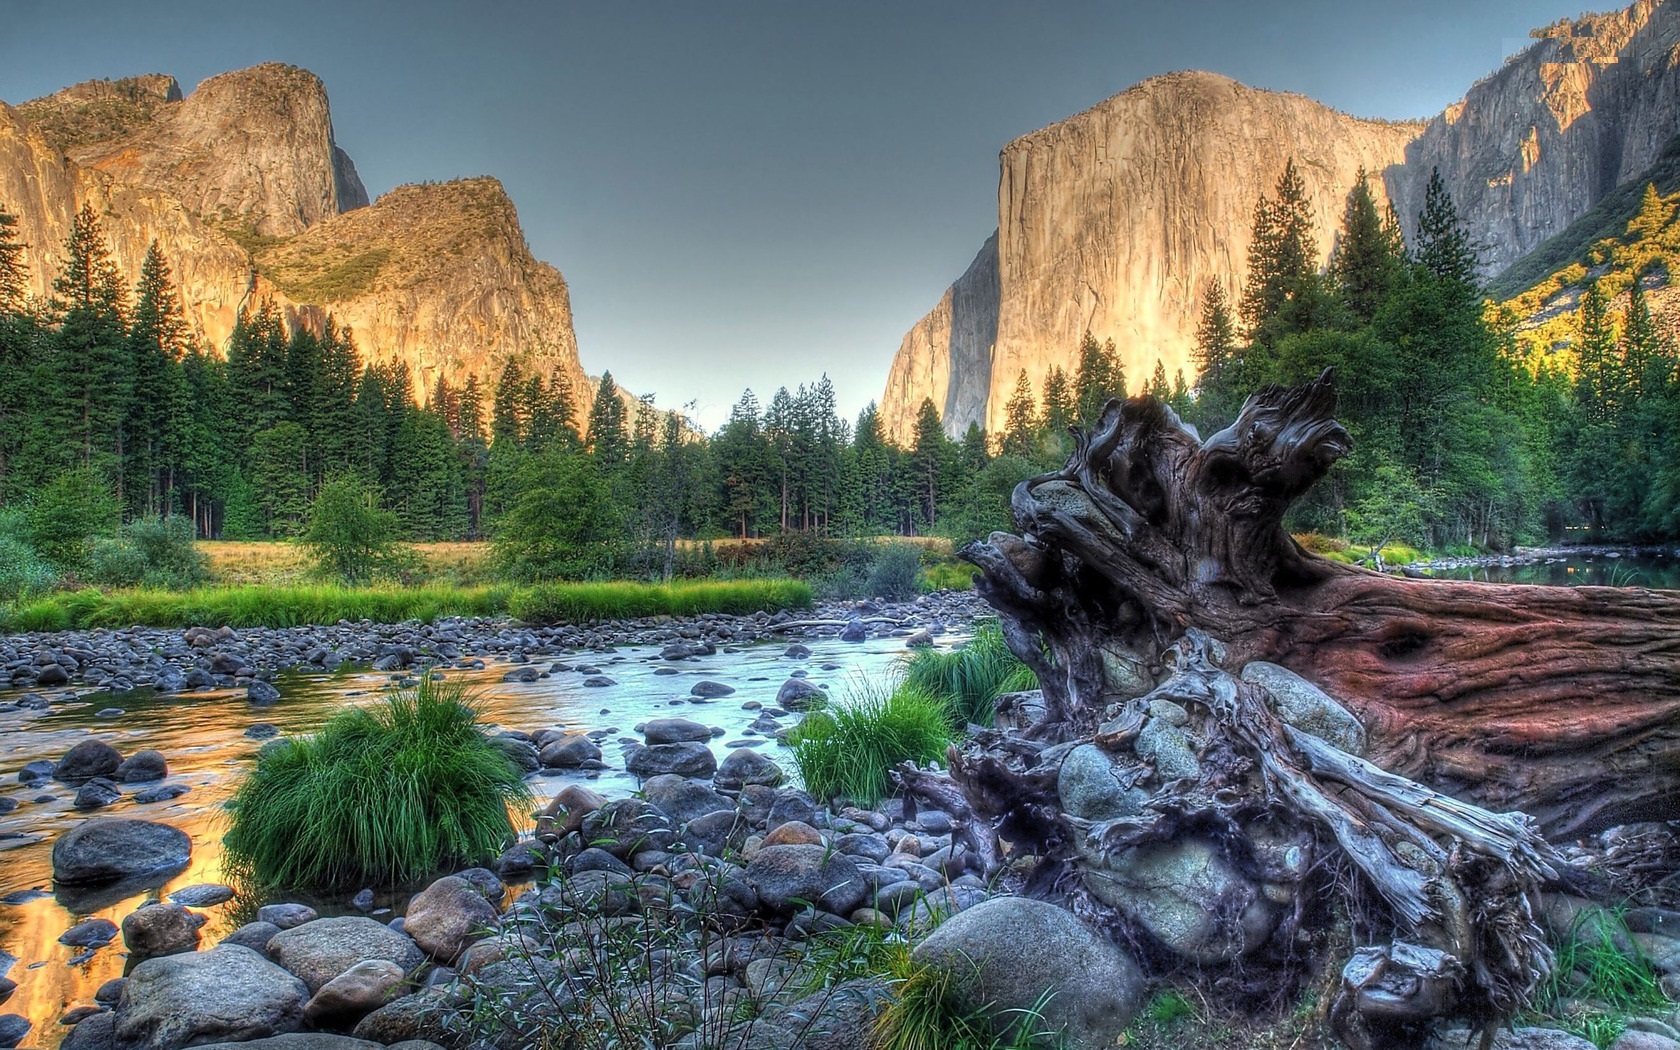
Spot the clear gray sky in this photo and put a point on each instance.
(753, 193)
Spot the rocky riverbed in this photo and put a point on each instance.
(567, 701)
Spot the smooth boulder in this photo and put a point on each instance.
(226, 994)
(1307, 707)
(674, 731)
(447, 916)
(141, 766)
(354, 994)
(689, 759)
(322, 949)
(789, 877)
(682, 799)
(161, 929)
(1006, 953)
(90, 758)
(108, 849)
(744, 766)
(796, 694)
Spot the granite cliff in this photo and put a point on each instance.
(1114, 220)
(249, 196)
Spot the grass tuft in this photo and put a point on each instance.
(623, 600)
(383, 796)
(849, 749)
(926, 1015)
(1599, 979)
(969, 679)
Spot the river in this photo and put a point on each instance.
(202, 735)
(1659, 570)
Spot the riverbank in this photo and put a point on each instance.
(214, 655)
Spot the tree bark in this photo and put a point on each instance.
(1563, 703)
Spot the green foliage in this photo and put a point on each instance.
(350, 536)
(926, 1014)
(946, 574)
(23, 572)
(847, 750)
(335, 282)
(620, 600)
(895, 571)
(384, 795)
(1598, 979)
(150, 552)
(1168, 1007)
(969, 679)
(562, 524)
(253, 606)
(73, 508)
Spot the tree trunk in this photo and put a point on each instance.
(1563, 703)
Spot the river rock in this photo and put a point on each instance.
(89, 933)
(714, 833)
(1509, 1039)
(796, 694)
(37, 771)
(90, 758)
(674, 731)
(253, 935)
(227, 993)
(287, 916)
(569, 752)
(142, 766)
(711, 690)
(689, 759)
(160, 929)
(522, 753)
(262, 693)
(744, 766)
(626, 826)
(682, 799)
(299, 1041)
(1177, 890)
(161, 793)
(1090, 787)
(1006, 953)
(420, 1015)
(447, 916)
(96, 793)
(320, 950)
(354, 994)
(854, 631)
(785, 877)
(1307, 707)
(13, 1029)
(107, 849)
(789, 805)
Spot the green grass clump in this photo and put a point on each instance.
(926, 1014)
(947, 576)
(251, 606)
(969, 679)
(623, 600)
(1599, 979)
(848, 749)
(380, 796)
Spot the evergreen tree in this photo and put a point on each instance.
(14, 273)
(1099, 377)
(1021, 419)
(1368, 255)
(152, 435)
(506, 423)
(1158, 388)
(1058, 405)
(608, 443)
(1443, 246)
(1653, 217)
(86, 373)
(930, 466)
(1281, 294)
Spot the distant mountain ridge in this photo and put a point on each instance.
(1115, 220)
(249, 196)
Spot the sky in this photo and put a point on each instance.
(753, 193)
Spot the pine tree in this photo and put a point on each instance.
(930, 463)
(1596, 346)
(506, 424)
(1647, 226)
(86, 372)
(1021, 419)
(1281, 294)
(1443, 244)
(156, 343)
(608, 442)
(14, 273)
(1098, 378)
(1058, 404)
(1368, 255)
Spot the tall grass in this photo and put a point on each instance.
(926, 1014)
(1598, 980)
(384, 795)
(969, 679)
(291, 606)
(621, 600)
(849, 749)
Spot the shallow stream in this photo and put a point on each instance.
(203, 737)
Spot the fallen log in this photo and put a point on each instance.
(1563, 703)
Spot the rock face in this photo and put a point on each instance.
(248, 195)
(1114, 220)
(227, 993)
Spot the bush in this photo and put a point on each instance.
(22, 571)
(167, 547)
(563, 524)
(67, 513)
(848, 749)
(894, 573)
(384, 795)
(350, 535)
(968, 680)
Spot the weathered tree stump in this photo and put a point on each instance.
(1187, 785)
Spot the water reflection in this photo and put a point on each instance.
(1652, 570)
(203, 737)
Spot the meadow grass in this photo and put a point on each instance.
(622, 600)
(849, 749)
(302, 604)
(383, 795)
(969, 679)
(280, 562)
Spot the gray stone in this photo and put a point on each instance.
(1007, 953)
(791, 805)
(225, 994)
(569, 752)
(89, 933)
(682, 799)
(161, 793)
(354, 994)
(108, 849)
(447, 916)
(854, 631)
(521, 752)
(627, 826)
(1509, 1039)
(715, 833)
(1091, 789)
(320, 950)
(160, 929)
(1178, 891)
(262, 693)
(142, 766)
(253, 935)
(1168, 745)
(287, 916)
(787, 877)
(203, 895)
(90, 758)
(13, 1029)
(689, 759)
(96, 794)
(674, 731)
(1307, 707)
(744, 766)
(796, 694)
(711, 690)
(299, 1041)
(421, 1015)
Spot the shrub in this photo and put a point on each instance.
(947, 575)
(969, 679)
(167, 547)
(849, 749)
(382, 795)
(73, 507)
(114, 562)
(22, 570)
(563, 525)
(893, 575)
(350, 535)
